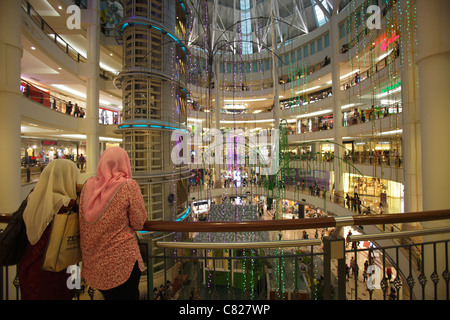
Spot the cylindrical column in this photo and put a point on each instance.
(411, 140)
(276, 98)
(154, 94)
(337, 113)
(433, 62)
(92, 86)
(10, 98)
(217, 105)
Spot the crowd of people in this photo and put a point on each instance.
(164, 292)
(352, 268)
(75, 110)
(354, 204)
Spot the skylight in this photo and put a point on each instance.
(320, 17)
(246, 27)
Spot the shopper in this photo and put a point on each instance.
(112, 209)
(366, 267)
(81, 162)
(55, 192)
(389, 273)
(69, 107)
(76, 112)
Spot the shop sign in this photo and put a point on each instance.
(49, 143)
(391, 87)
(387, 42)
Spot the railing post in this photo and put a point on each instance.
(147, 239)
(334, 248)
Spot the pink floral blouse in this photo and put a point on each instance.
(109, 245)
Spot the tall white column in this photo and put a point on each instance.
(433, 62)
(411, 141)
(10, 98)
(92, 86)
(337, 113)
(217, 105)
(276, 95)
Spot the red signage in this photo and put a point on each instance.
(49, 143)
(387, 42)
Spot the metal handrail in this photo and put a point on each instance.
(291, 224)
(297, 243)
(294, 224)
(398, 234)
(239, 245)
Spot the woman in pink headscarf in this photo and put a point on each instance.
(112, 209)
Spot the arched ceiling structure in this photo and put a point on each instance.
(245, 26)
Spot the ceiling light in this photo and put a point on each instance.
(70, 90)
(74, 136)
(391, 132)
(306, 90)
(195, 120)
(60, 7)
(33, 48)
(247, 100)
(349, 74)
(351, 105)
(110, 139)
(234, 106)
(316, 113)
(247, 121)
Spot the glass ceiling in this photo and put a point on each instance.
(246, 24)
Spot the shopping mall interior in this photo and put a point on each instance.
(245, 110)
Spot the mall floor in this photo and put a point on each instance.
(362, 256)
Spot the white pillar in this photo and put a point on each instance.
(276, 96)
(92, 86)
(433, 61)
(217, 105)
(10, 99)
(337, 113)
(411, 141)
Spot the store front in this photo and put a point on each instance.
(376, 152)
(375, 187)
(107, 116)
(35, 152)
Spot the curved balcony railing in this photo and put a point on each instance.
(292, 265)
(294, 224)
(59, 41)
(295, 268)
(32, 92)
